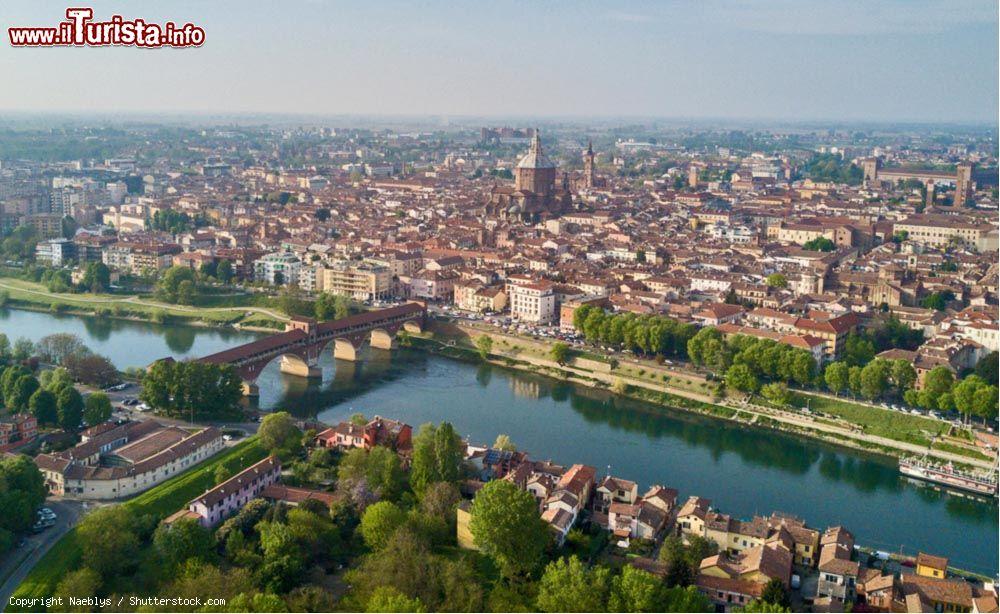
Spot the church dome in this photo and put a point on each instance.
(535, 158)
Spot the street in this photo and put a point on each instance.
(21, 560)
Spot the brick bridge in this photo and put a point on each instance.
(303, 341)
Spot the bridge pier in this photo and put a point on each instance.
(293, 365)
(251, 390)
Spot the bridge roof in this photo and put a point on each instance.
(916, 173)
(279, 340)
(267, 344)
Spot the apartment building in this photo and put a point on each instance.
(534, 302)
(364, 281)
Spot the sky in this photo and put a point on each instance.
(844, 60)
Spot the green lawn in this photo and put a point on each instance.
(160, 501)
(876, 421)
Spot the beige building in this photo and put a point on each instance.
(359, 280)
(938, 230)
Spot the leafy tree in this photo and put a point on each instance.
(761, 606)
(858, 350)
(506, 526)
(819, 244)
(23, 349)
(69, 404)
(987, 368)
(224, 272)
(279, 435)
(503, 442)
(96, 277)
(112, 540)
(42, 406)
(80, 583)
(484, 345)
(390, 599)
(569, 586)
(221, 474)
(55, 348)
(741, 377)
(875, 378)
(437, 456)
(937, 382)
(635, 590)
(777, 280)
(377, 470)
(332, 306)
(559, 352)
(19, 395)
(182, 540)
(193, 389)
(97, 408)
(776, 593)
(379, 522)
(168, 287)
(903, 374)
(836, 377)
(777, 393)
(938, 301)
(22, 491)
(439, 501)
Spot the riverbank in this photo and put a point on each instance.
(34, 297)
(683, 391)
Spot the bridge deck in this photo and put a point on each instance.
(329, 329)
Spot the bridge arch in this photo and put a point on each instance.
(413, 327)
(343, 349)
(383, 339)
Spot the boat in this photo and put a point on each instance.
(947, 475)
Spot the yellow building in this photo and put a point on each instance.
(932, 566)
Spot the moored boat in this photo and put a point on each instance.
(947, 475)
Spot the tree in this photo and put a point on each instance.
(96, 277)
(437, 456)
(776, 393)
(279, 435)
(938, 301)
(559, 352)
(224, 272)
(42, 406)
(987, 368)
(92, 369)
(776, 593)
(686, 599)
(439, 501)
(503, 442)
(168, 287)
(761, 606)
(875, 378)
(858, 350)
(55, 348)
(182, 540)
(819, 244)
(69, 404)
(19, 395)
(221, 474)
(777, 280)
(79, 583)
(112, 540)
(635, 590)
(741, 377)
(836, 377)
(506, 526)
(903, 374)
(332, 306)
(193, 389)
(377, 470)
(23, 349)
(569, 586)
(390, 599)
(937, 382)
(97, 408)
(379, 522)
(22, 491)
(484, 344)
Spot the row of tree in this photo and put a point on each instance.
(748, 360)
(643, 334)
(193, 390)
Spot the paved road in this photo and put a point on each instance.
(21, 560)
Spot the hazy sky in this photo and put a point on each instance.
(920, 60)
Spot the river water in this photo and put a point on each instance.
(742, 470)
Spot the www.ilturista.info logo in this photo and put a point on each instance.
(79, 30)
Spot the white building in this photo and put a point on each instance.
(535, 302)
(279, 268)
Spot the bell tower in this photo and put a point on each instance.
(588, 165)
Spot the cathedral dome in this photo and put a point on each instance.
(535, 158)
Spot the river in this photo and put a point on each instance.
(742, 470)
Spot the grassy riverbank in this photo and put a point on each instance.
(159, 501)
(838, 421)
(221, 311)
